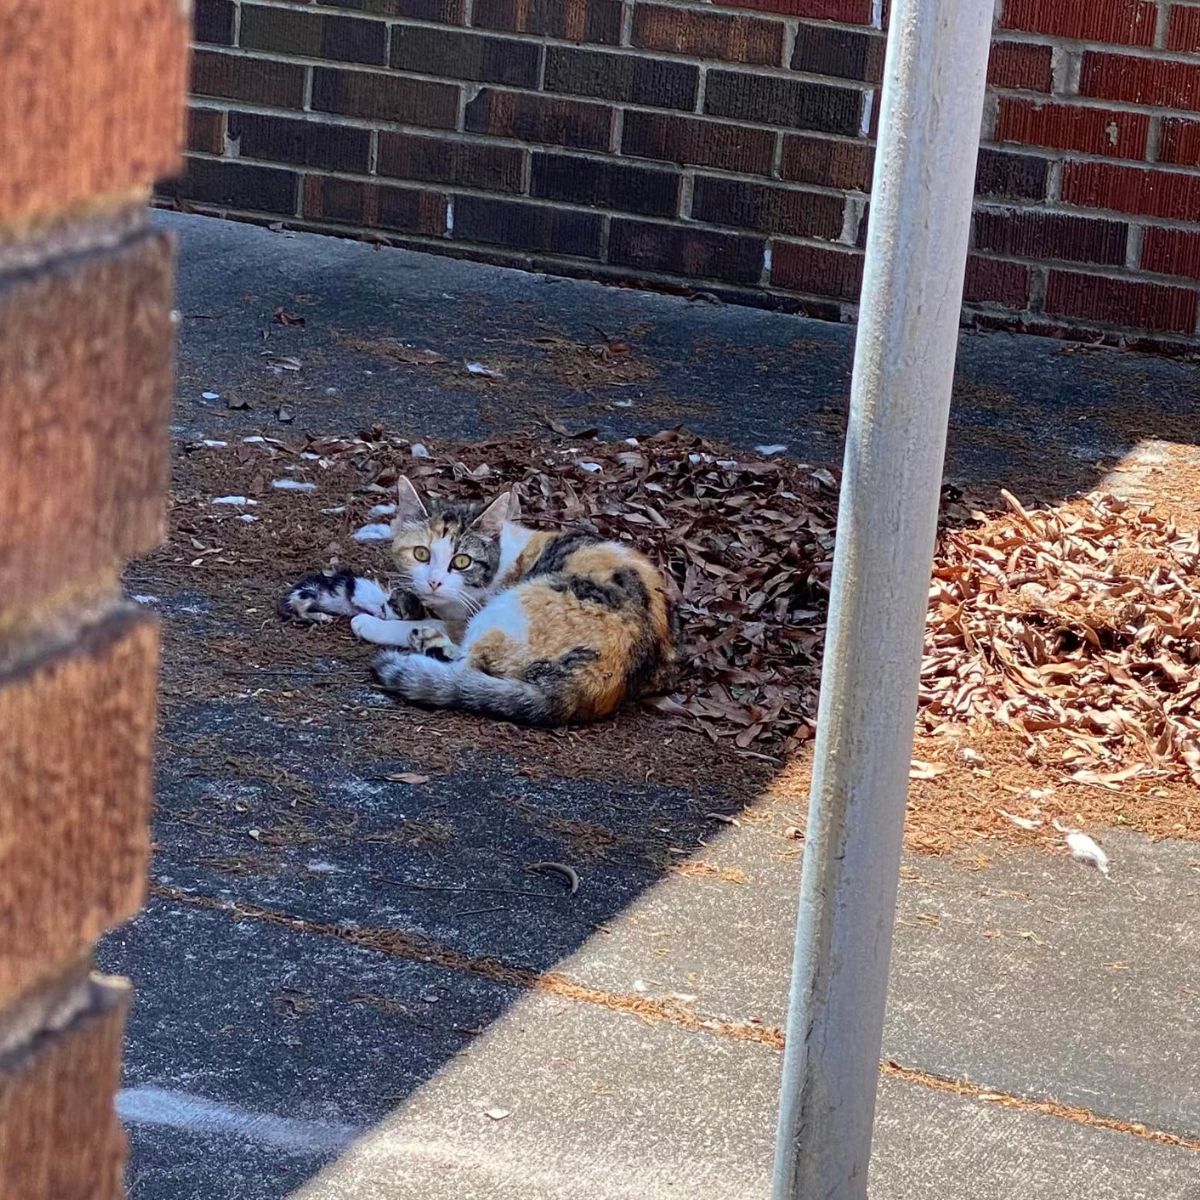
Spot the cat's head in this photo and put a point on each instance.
(448, 554)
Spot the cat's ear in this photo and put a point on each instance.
(409, 506)
(491, 521)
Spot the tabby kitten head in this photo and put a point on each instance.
(448, 554)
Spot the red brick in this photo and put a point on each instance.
(60, 333)
(1179, 142)
(597, 21)
(828, 163)
(374, 96)
(78, 127)
(708, 35)
(695, 253)
(1154, 193)
(1171, 252)
(546, 119)
(375, 205)
(1072, 127)
(440, 160)
(1021, 65)
(1183, 29)
(816, 270)
(746, 205)
(1116, 22)
(698, 142)
(1122, 302)
(206, 130)
(853, 12)
(991, 282)
(1141, 80)
(59, 1134)
(76, 742)
(1042, 235)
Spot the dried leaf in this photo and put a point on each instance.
(409, 777)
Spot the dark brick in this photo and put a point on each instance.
(528, 226)
(1171, 252)
(465, 56)
(214, 22)
(1121, 302)
(709, 35)
(448, 11)
(375, 96)
(990, 282)
(1019, 176)
(770, 209)
(773, 100)
(828, 163)
(440, 160)
(252, 80)
(696, 141)
(844, 53)
(1021, 65)
(302, 143)
(1180, 141)
(313, 35)
(697, 253)
(816, 270)
(236, 185)
(623, 77)
(596, 21)
(852, 12)
(541, 119)
(1051, 236)
(605, 184)
(375, 205)
(206, 130)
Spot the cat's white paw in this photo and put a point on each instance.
(372, 629)
(434, 641)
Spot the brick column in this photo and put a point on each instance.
(92, 115)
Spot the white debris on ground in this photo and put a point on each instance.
(373, 533)
(235, 501)
(293, 485)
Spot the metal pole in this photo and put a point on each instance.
(932, 107)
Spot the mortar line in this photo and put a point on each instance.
(399, 944)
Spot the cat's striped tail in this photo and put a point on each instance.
(457, 685)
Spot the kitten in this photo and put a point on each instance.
(320, 597)
(543, 628)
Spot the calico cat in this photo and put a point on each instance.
(541, 628)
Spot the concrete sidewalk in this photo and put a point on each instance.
(348, 1017)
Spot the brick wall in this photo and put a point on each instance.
(722, 146)
(85, 383)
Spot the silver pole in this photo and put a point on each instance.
(932, 107)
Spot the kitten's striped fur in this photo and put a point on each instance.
(543, 628)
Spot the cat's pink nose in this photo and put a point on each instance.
(434, 584)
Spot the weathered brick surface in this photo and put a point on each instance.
(74, 131)
(375, 96)
(534, 227)
(1121, 302)
(439, 160)
(1171, 252)
(99, 327)
(59, 1135)
(703, 143)
(596, 21)
(626, 187)
(76, 741)
(544, 119)
(693, 253)
(375, 205)
(1093, 106)
(708, 35)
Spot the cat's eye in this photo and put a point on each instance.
(460, 562)
(421, 553)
